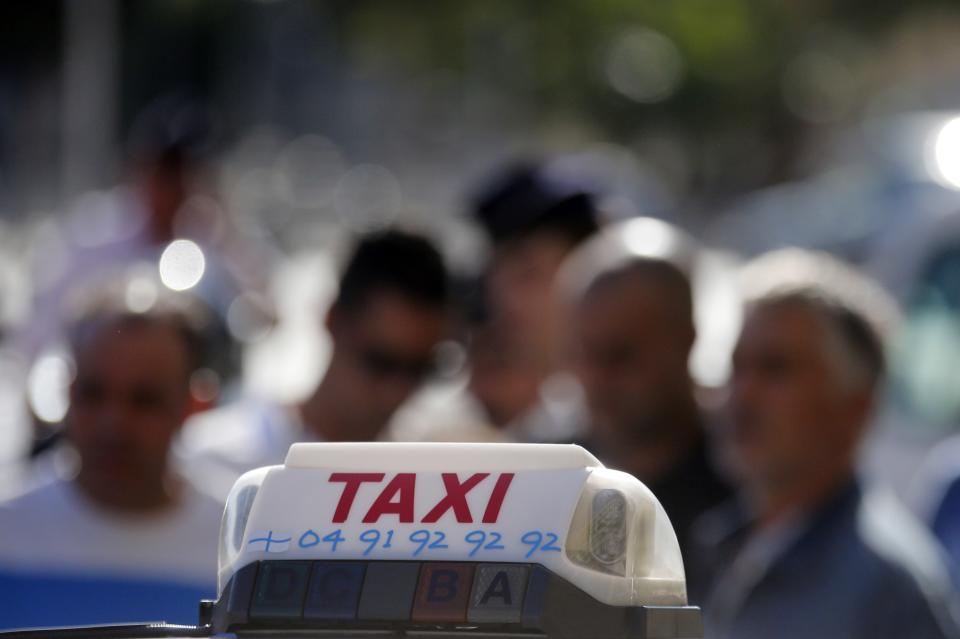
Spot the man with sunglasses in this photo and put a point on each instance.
(390, 312)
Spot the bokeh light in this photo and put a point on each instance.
(182, 265)
(48, 386)
(650, 238)
(141, 294)
(946, 154)
(644, 65)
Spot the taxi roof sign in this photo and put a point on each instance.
(530, 504)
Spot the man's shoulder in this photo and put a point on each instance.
(889, 563)
(867, 535)
(241, 431)
(935, 491)
(899, 543)
(441, 413)
(199, 502)
(221, 444)
(48, 497)
(234, 418)
(861, 563)
(53, 529)
(910, 593)
(45, 524)
(868, 531)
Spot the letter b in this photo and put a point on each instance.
(443, 586)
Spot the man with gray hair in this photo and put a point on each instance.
(807, 552)
(122, 533)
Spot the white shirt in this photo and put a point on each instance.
(55, 528)
(449, 413)
(221, 444)
(91, 565)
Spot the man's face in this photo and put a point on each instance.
(521, 284)
(790, 414)
(505, 373)
(631, 358)
(383, 352)
(128, 400)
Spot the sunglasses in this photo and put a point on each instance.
(383, 363)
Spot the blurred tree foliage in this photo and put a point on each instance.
(729, 103)
(753, 80)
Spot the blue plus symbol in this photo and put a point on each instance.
(270, 539)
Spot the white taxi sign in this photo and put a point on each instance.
(552, 505)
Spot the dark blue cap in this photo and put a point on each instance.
(526, 199)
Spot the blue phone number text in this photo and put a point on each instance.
(419, 540)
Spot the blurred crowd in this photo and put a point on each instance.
(575, 329)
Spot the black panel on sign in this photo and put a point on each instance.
(280, 590)
(536, 597)
(388, 591)
(498, 591)
(334, 590)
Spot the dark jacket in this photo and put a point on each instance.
(860, 567)
(687, 491)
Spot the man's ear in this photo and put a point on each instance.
(690, 339)
(333, 319)
(198, 402)
(683, 338)
(863, 404)
(196, 405)
(203, 392)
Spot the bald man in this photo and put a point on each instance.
(633, 332)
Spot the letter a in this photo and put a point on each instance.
(499, 588)
(402, 487)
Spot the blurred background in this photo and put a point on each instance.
(751, 125)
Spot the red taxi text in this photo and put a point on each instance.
(397, 497)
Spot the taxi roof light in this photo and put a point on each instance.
(608, 526)
(621, 534)
(553, 505)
